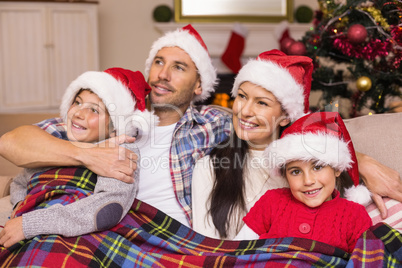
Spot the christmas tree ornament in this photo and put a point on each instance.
(162, 13)
(297, 48)
(286, 43)
(357, 33)
(363, 83)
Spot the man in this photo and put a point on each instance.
(180, 72)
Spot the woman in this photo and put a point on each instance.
(233, 177)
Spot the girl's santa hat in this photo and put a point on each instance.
(287, 77)
(122, 91)
(188, 39)
(320, 137)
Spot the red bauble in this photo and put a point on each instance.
(357, 33)
(285, 44)
(297, 48)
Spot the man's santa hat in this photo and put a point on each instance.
(287, 77)
(122, 91)
(320, 137)
(188, 39)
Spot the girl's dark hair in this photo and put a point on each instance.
(227, 193)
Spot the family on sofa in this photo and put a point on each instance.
(270, 93)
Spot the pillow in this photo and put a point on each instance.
(379, 136)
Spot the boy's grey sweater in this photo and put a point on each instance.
(108, 205)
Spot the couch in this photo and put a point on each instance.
(379, 136)
(376, 135)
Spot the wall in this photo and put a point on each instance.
(126, 31)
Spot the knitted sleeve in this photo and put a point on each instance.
(258, 218)
(18, 187)
(360, 221)
(105, 208)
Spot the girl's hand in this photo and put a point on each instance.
(12, 232)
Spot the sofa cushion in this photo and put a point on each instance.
(378, 136)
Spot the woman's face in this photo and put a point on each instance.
(87, 119)
(257, 115)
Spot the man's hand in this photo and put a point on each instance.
(12, 232)
(108, 159)
(381, 180)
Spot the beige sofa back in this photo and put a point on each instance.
(9, 122)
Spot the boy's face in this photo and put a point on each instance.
(257, 115)
(87, 119)
(310, 183)
(174, 79)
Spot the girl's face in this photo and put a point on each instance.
(87, 119)
(310, 183)
(257, 115)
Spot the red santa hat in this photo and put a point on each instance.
(188, 39)
(287, 77)
(122, 91)
(320, 137)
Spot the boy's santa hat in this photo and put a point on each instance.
(287, 77)
(188, 39)
(122, 91)
(320, 137)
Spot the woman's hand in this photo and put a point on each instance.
(12, 232)
(381, 180)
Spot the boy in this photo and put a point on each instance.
(95, 106)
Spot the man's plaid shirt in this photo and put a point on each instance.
(195, 135)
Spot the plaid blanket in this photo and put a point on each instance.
(147, 237)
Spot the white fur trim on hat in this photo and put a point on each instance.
(186, 41)
(117, 99)
(358, 194)
(278, 81)
(321, 147)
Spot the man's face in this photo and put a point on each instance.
(174, 79)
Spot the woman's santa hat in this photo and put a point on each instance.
(320, 137)
(122, 91)
(287, 77)
(188, 39)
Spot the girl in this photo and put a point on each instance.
(311, 155)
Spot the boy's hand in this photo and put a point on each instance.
(12, 232)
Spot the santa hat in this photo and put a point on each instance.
(122, 91)
(188, 39)
(287, 77)
(320, 137)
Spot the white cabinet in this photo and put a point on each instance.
(43, 47)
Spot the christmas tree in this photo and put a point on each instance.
(356, 47)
